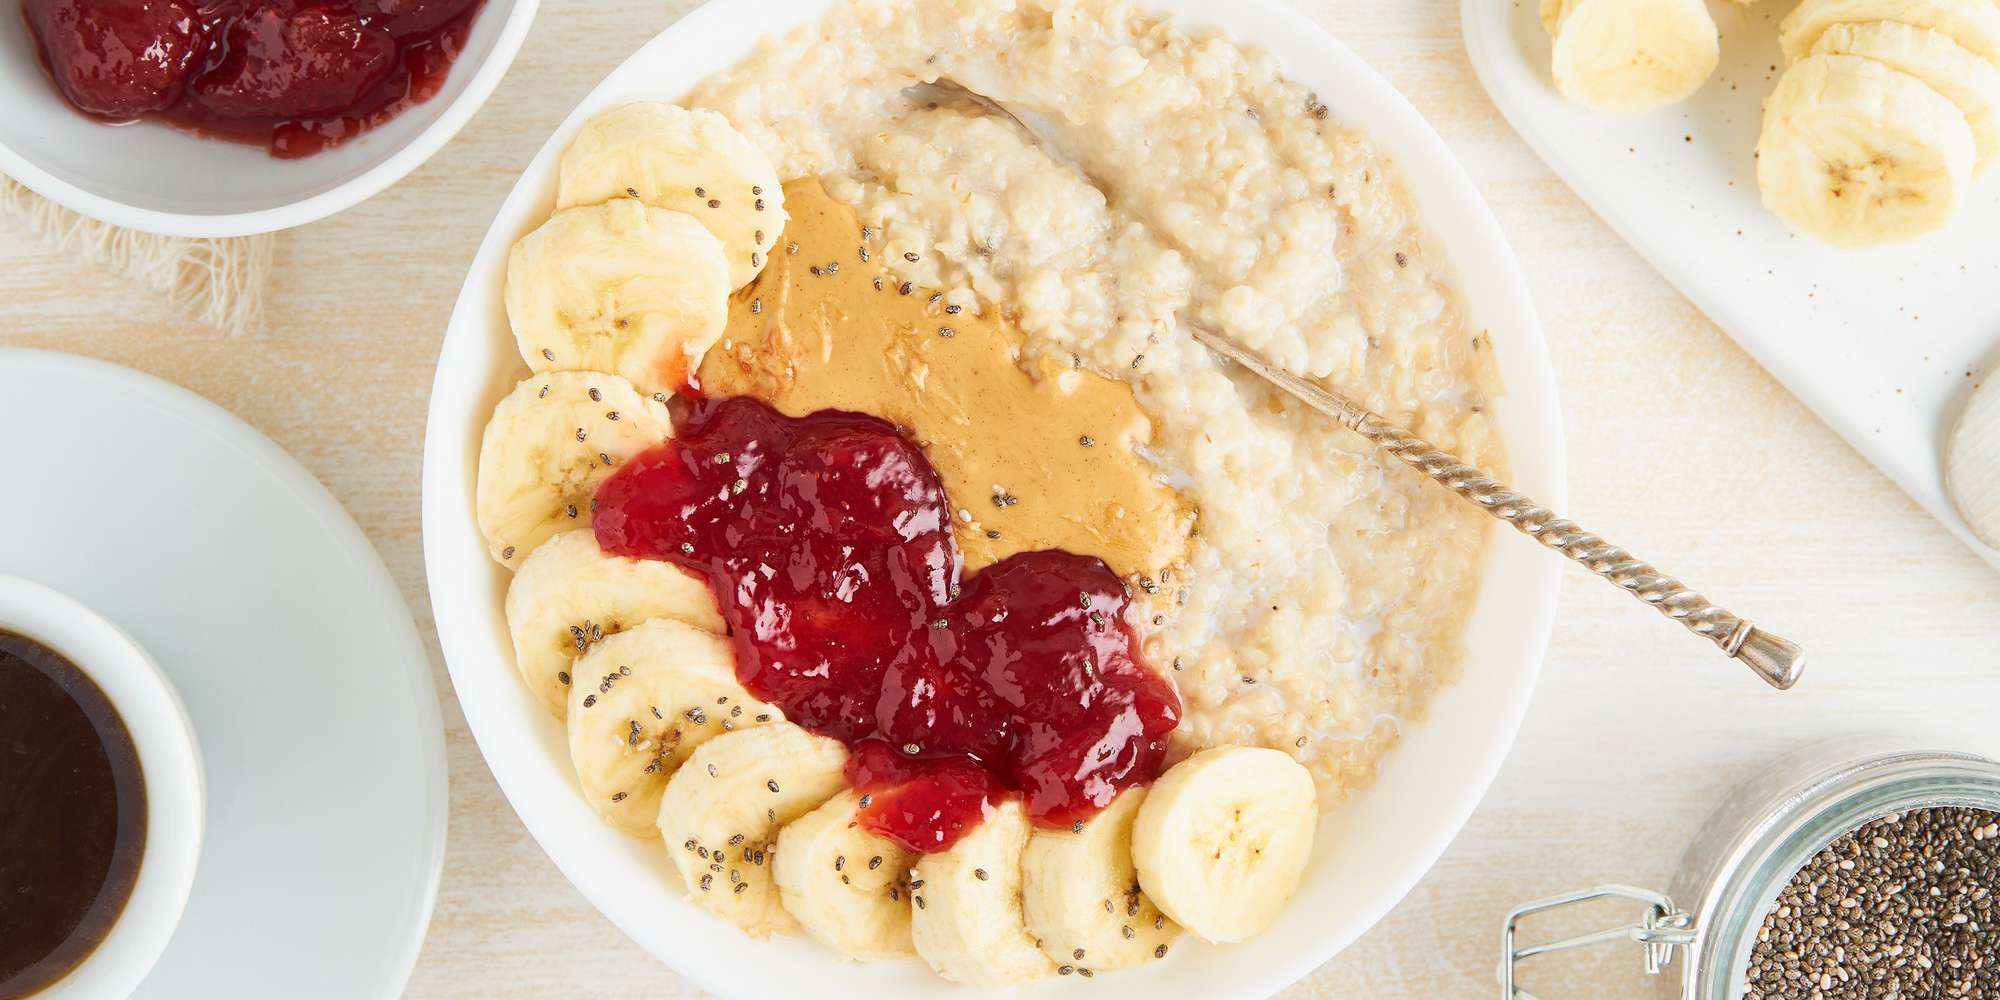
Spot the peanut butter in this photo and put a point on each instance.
(1041, 456)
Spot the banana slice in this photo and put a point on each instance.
(1855, 153)
(618, 287)
(723, 809)
(1223, 837)
(968, 925)
(1973, 24)
(1632, 55)
(847, 887)
(1947, 67)
(570, 595)
(690, 161)
(644, 700)
(1552, 15)
(1553, 12)
(1082, 898)
(546, 449)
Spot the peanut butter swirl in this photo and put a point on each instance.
(1041, 456)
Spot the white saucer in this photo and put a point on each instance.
(309, 689)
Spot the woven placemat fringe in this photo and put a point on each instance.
(219, 282)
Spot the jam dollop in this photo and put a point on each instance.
(293, 76)
(827, 541)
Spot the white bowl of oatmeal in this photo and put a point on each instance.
(1328, 597)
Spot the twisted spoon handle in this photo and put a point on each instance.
(1777, 660)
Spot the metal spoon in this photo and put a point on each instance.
(1778, 661)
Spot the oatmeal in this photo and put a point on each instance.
(1180, 178)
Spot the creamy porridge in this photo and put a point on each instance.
(890, 552)
(1324, 593)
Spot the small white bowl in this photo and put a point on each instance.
(153, 177)
(170, 761)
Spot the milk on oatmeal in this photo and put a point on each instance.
(1180, 178)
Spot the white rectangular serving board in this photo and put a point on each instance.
(1885, 344)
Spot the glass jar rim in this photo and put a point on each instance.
(1751, 846)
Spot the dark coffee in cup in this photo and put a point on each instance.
(72, 816)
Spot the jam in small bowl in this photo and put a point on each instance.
(233, 117)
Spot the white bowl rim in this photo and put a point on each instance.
(339, 198)
(503, 720)
(170, 759)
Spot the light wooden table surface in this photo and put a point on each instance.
(1679, 446)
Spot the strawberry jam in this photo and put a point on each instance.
(293, 76)
(827, 541)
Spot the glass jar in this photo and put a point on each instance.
(1760, 836)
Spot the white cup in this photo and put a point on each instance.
(170, 761)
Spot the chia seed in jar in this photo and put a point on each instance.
(1903, 907)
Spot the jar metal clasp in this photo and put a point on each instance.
(1662, 929)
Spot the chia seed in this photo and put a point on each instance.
(1901, 908)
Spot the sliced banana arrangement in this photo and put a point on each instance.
(724, 807)
(1952, 70)
(662, 213)
(1855, 153)
(847, 887)
(690, 161)
(620, 287)
(643, 701)
(1885, 115)
(1082, 897)
(1973, 24)
(546, 449)
(570, 595)
(1223, 838)
(969, 924)
(1630, 55)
